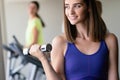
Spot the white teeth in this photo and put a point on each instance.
(72, 17)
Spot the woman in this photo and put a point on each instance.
(35, 24)
(86, 51)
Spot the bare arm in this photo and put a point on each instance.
(57, 55)
(35, 36)
(56, 71)
(49, 71)
(112, 44)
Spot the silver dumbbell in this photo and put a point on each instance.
(43, 48)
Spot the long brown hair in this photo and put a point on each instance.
(96, 26)
(37, 15)
(99, 7)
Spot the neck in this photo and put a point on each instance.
(31, 16)
(82, 30)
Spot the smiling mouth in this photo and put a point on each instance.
(72, 17)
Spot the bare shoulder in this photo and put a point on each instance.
(111, 40)
(59, 44)
(59, 40)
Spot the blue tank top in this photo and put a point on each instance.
(79, 66)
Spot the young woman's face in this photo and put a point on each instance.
(32, 9)
(76, 11)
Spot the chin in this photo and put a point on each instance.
(73, 23)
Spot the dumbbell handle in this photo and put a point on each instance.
(43, 48)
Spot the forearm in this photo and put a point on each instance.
(113, 75)
(34, 42)
(49, 71)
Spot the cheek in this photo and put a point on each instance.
(35, 10)
(82, 13)
(66, 13)
(30, 9)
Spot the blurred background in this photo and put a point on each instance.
(14, 17)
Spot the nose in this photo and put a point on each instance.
(71, 11)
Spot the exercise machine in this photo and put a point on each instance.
(16, 52)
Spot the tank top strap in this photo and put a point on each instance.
(69, 47)
(69, 44)
(104, 45)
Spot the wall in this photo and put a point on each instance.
(16, 19)
(2, 39)
(2, 73)
(111, 15)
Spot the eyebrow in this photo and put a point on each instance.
(75, 3)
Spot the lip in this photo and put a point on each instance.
(72, 17)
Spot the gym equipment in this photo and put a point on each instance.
(43, 48)
(15, 51)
